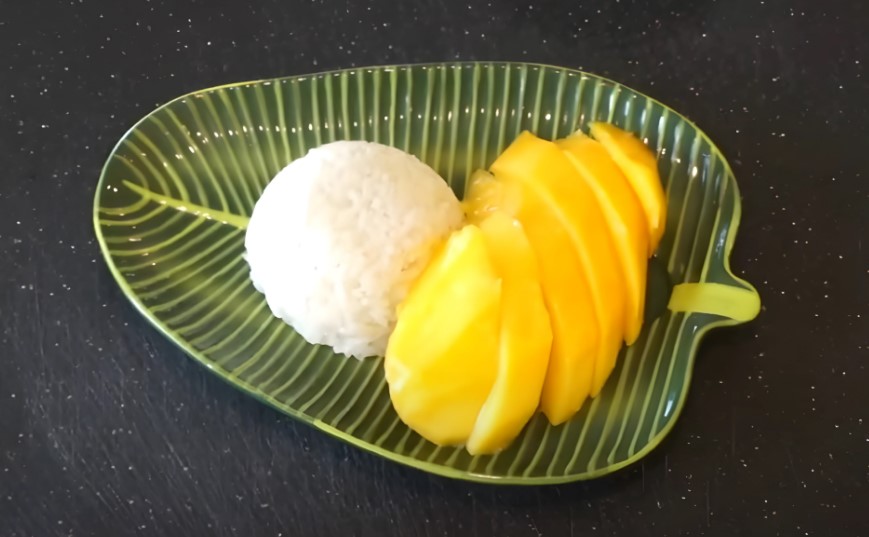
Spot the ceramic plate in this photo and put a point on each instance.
(173, 199)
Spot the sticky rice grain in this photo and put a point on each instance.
(338, 236)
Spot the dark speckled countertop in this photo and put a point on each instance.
(106, 429)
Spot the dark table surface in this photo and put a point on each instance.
(106, 429)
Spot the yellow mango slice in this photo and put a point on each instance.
(639, 165)
(625, 217)
(484, 196)
(545, 172)
(575, 331)
(442, 358)
(525, 338)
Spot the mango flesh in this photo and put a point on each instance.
(544, 172)
(528, 304)
(485, 196)
(575, 332)
(442, 359)
(574, 326)
(637, 162)
(525, 338)
(625, 218)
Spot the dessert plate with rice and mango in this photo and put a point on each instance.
(497, 272)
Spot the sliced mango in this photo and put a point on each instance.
(484, 196)
(570, 372)
(625, 218)
(525, 338)
(442, 358)
(639, 165)
(545, 172)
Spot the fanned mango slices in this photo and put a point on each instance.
(625, 219)
(638, 164)
(527, 306)
(467, 359)
(525, 338)
(442, 358)
(575, 333)
(546, 175)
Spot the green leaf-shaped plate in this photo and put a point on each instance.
(175, 194)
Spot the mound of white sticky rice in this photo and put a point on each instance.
(339, 235)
